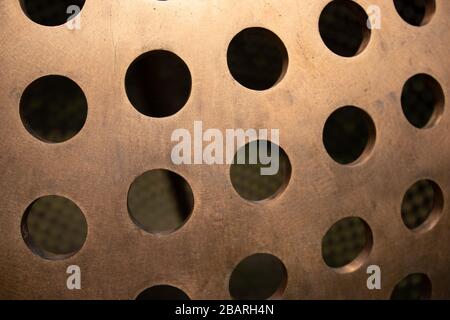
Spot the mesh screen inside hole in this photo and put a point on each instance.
(422, 101)
(54, 227)
(250, 182)
(416, 286)
(347, 243)
(258, 277)
(53, 108)
(160, 201)
(422, 204)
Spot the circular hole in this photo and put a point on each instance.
(51, 13)
(258, 277)
(257, 58)
(54, 227)
(417, 12)
(53, 108)
(343, 27)
(248, 175)
(160, 201)
(416, 286)
(158, 83)
(347, 244)
(422, 101)
(422, 205)
(349, 132)
(162, 292)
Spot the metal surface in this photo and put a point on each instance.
(117, 144)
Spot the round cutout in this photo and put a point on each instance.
(257, 58)
(261, 170)
(417, 12)
(52, 13)
(343, 27)
(258, 277)
(53, 108)
(422, 101)
(347, 244)
(162, 292)
(160, 201)
(158, 83)
(416, 286)
(53, 227)
(348, 134)
(422, 205)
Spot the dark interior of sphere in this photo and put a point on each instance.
(51, 12)
(257, 277)
(421, 96)
(162, 292)
(158, 83)
(53, 108)
(343, 27)
(347, 133)
(257, 58)
(412, 11)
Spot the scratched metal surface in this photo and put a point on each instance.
(117, 144)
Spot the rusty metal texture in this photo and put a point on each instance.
(118, 144)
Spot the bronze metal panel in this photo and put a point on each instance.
(117, 144)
